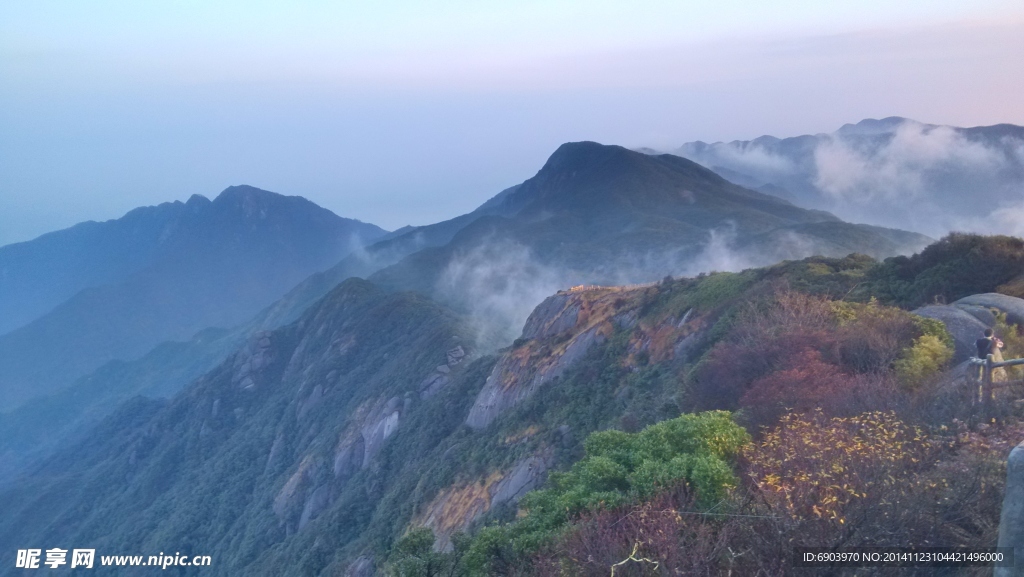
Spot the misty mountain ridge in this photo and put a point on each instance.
(889, 172)
(593, 214)
(598, 214)
(174, 269)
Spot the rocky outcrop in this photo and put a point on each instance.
(558, 334)
(379, 427)
(1011, 521)
(967, 318)
(318, 500)
(317, 481)
(556, 315)
(441, 375)
(373, 424)
(295, 488)
(457, 508)
(524, 477)
(519, 374)
(314, 398)
(1012, 306)
(669, 339)
(248, 362)
(563, 329)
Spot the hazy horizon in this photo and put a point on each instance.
(405, 114)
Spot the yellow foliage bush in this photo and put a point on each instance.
(920, 362)
(812, 467)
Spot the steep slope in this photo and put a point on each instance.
(290, 431)
(322, 442)
(50, 421)
(216, 263)
(888, 172)
(315, 446)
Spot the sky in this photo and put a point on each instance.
(398, 112)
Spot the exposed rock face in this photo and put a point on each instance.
(361, 567)
(251, 359)
(455, 356)
(317, 502)
(666, 340)
(441, 375)
(556, 315)
(524, 477)
(519, 374)
(561, 331)
(293, 490)
(458, 507)
(314, 398)
(983, 314)
(372, 425)
(1011, 521)
(318, 481)
(967, 318)
(379, 427)
(349, 457)
(1012, 306)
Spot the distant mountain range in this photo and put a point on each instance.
(97, 292)
(330, 412)
(593, 214)
(890, 172)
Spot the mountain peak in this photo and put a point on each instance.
(590, 176)
(197, 200)
(871, 126)
(575, 155)
(245, 192)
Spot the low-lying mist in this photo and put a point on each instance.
(499, 282)
(897, 173)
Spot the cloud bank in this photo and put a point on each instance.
(895, 172)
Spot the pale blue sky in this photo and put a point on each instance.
(411, 112)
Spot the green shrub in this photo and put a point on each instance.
(957, 266)
(414, 556)
(620, 468)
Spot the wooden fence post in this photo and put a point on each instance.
(986, 389)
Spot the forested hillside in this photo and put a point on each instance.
(731, 415)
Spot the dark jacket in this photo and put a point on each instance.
(986, 347)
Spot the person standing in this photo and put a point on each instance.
(990, 344)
